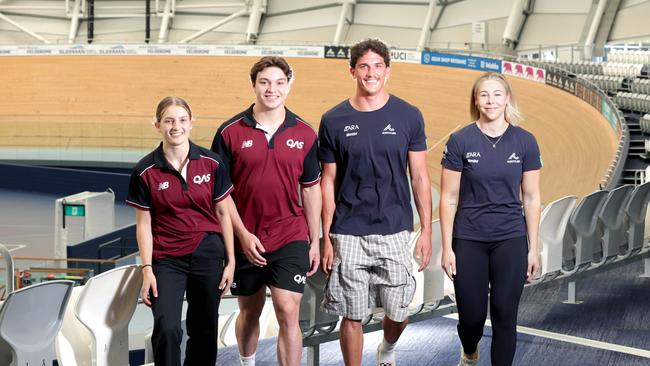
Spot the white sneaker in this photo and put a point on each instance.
(464, 361)
(385, 358)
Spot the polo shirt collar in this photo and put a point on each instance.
(159, 156)
(289, 118)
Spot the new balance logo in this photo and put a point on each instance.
(389, 130)
(300, 279)
(513, 159)
(163, 185)
(246, 143)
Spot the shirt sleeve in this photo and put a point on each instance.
(222, 184)
(310, 166)
(418, 139)
(452, 156)
(138, 196)
(326, 151)
(219, 146)
(532, 156)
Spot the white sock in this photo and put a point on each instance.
(247, 360)
(386, 347)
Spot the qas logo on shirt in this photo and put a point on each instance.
(295, 144)
(199, 179)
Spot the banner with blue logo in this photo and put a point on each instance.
(464, 62)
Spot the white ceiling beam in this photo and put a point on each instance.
(433, 12)
(22, 28)
(593, 29)
(218, 24)
(257, 8)
(345, 17)
(74, 21)
(164, 24)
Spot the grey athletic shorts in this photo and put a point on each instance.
(370, 271)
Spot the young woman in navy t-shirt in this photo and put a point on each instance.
(489, 214)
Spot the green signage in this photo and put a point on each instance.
(74, 210)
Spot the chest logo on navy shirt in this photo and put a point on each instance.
(472, 157)
(351, 130)
(295, 144)
(389, 130)
(246, 143)
(163, 185)
(200, 179)
(513, 159)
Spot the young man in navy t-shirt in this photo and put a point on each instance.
(272, 155)
(366, 144)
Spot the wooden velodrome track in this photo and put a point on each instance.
(109, 102)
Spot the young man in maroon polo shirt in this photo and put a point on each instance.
(272, 155)
(180, 192)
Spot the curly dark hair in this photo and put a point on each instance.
(375, 45)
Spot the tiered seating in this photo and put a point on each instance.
(622, 69)
(607, 83)
(631, 56)
(605, 227)
(641, 86)
(633, 101)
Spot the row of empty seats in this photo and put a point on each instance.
(640, 86)
(603, 227)
(629, 56)
(85, 325)
(633, 101)
(607, 83)
(602, 68)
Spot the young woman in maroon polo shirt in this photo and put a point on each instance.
(181, 193)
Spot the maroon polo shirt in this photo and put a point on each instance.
(182, 211)
(267, 175)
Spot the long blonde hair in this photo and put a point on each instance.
(512, 114)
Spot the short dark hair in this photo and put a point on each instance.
(375, 45)
(271, 61)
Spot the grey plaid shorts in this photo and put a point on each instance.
(370, 271)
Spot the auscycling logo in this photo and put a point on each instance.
(389, 130)
(489, 65)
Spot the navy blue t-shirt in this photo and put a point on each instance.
(490, 207)
(370, 150)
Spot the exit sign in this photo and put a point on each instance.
(74, 210)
